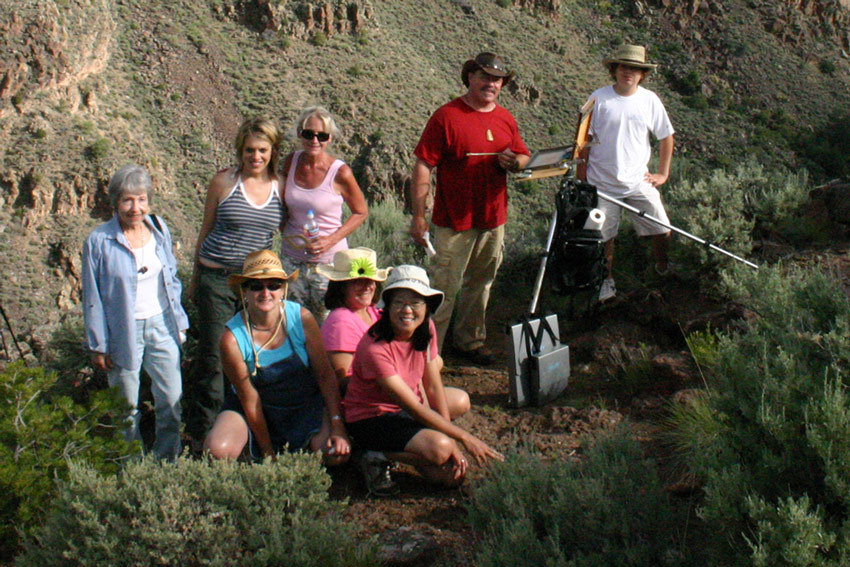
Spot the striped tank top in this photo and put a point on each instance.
(242, 227)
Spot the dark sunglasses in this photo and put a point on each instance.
(310, 134)
(260, 285)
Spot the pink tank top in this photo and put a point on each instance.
(326, 204)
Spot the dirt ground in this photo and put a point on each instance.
(643, 328)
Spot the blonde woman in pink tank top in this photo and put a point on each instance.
(315, 180)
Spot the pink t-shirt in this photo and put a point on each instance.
(374, 359)
(343, 329)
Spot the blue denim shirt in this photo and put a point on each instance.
(109, 291)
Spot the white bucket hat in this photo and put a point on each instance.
(415, 279)
(352, 264)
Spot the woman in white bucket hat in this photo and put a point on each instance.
(396, 405)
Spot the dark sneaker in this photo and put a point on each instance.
(376, 472)
(481, 356)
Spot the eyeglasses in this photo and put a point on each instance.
(310, 134)
(260, 285)
(416, 304)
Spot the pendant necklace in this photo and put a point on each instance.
(140, 256)
(277, 328)
(488, 135)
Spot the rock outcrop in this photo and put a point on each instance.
(43, 48)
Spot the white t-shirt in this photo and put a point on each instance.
(621, 126)
(150, 292)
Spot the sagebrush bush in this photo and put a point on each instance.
(608, 509)
(773, 443)
(386, 231)
(711, 208)
(729, 207)
(40, 431)
(197, 512)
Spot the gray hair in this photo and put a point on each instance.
(131, 178)
(322, 114)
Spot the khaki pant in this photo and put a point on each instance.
(464, 269)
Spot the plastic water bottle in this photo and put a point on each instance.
(311, 227)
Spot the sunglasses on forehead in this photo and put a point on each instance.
(260, 285)
(310, 134)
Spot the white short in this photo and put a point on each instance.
(648, 200)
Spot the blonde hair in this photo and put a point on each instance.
(260, 127)
(322, 114)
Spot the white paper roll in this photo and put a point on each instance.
(429, 248)
(595, 220)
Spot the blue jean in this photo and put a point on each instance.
(158, 346)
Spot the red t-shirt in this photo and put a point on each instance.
(364, 398)
(472, 192)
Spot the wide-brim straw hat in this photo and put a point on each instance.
(352, 264)
(260, 265)
(631, 55)
(413, 278)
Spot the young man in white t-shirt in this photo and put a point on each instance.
(623, 117)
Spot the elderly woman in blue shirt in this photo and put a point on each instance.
(131, 305)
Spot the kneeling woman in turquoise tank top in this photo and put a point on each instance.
(283, 391)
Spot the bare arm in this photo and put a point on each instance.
(432, 382)
(665, 157)
(420, 187)
(215, 193)
(341, 363)
(399, 391)
(287, 163)
(326, 378)
(237, 372)
(346, 184)
(511, 161)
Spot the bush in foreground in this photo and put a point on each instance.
(773, 442)
(197, 512)
(608, 509)
(40, 430)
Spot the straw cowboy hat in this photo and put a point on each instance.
(413, 278)
(631, 55)
(260, 265)
(352, 264)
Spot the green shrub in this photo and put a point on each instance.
(827, 67)
(99, 149)
(608, 509)
(319, 39)
(386, 232)
(712, 208)
(826, 151)
(773, 449)
(39, 431)
(197, 512)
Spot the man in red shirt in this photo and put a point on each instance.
(472, 142)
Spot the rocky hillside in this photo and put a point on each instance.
(88, 85)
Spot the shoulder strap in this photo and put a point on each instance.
(156, 223)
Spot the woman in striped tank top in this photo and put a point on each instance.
(242, 211)
(316, 181)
